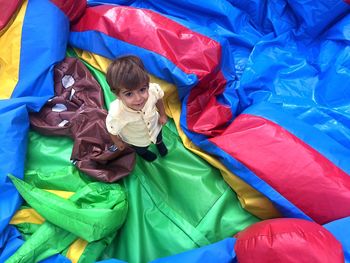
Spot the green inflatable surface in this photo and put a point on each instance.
(175, 203)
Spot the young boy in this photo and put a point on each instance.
(137, 115)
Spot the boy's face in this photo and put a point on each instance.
(134, 99)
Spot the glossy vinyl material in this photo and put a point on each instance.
(181, 203)
(339, 228)
(77, 111)
(97, 204)
(287, 240)
(221, 251)
(25, 87)
(286, 60)
(255, 142)
(157, 198)
(284, 63)
(8, 11)
(250, 199)
(73, 9)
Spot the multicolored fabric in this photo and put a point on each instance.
(232, 106)
(263, 91)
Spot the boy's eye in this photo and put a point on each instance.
(128, 94)
(144, 88)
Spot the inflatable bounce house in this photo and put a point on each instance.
(258, 98)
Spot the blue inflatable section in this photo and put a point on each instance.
(287, 57)
(34, 88)
(340, 229)
(222, 251)
(291, 66)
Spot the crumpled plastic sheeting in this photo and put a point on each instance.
(7, 12)
(340, 229)
(283, 63)
(246, 27)
(103, 206)
(222, 251)
(94, 212)
(287, 240)
(10, 241)
(30, 91)
(72, 9)
(210, 213)
(77, 111)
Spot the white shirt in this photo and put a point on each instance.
(139, 128)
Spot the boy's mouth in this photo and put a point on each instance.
(139, 105)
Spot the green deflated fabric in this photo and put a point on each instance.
(176, 203)
(46, 241)
(94, 212)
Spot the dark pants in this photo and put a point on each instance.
(143, 150)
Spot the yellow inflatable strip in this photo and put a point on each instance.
(250, 199)
(29, 215)
(76, 249)
(10, 43)
(63, 194)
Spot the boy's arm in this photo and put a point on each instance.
(160, 106)
(118, 142)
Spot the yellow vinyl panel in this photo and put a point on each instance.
(10, 51)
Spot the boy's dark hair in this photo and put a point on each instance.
(126, 72)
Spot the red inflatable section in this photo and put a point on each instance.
(73, 9)
(257, 142)
(287, 240)
(8, 9)
(190, 51)
(154, 32)
(205, 115)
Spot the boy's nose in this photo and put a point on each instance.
(138, 97)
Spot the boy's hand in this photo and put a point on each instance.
(163, 119)
(121, 145)
(118, 142)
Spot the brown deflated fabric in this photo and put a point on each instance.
(77, 111)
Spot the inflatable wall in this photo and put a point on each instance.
(257, 99)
